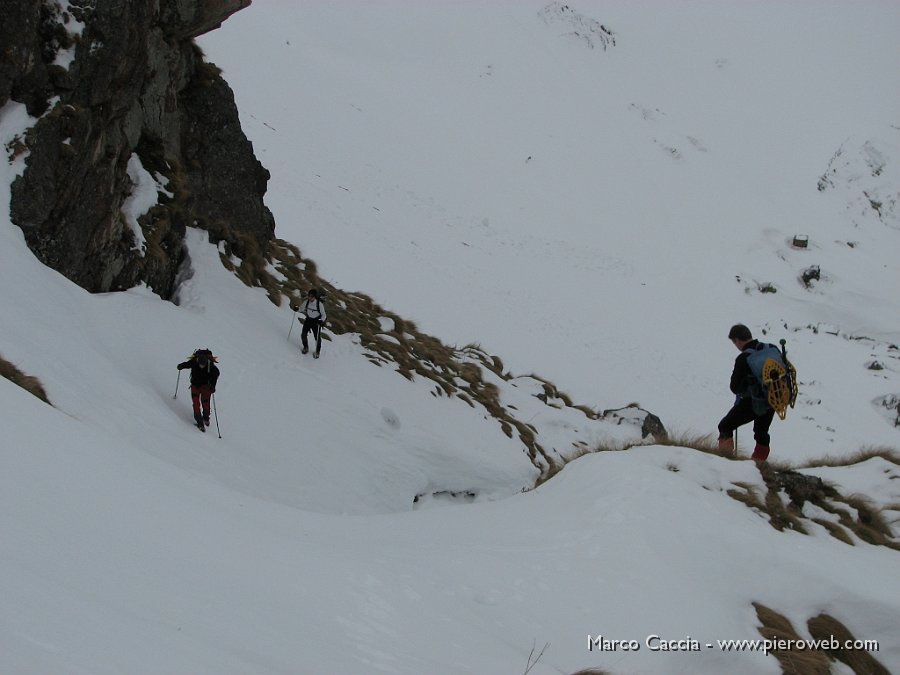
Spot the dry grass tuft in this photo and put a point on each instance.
(749, 495)
(856, 513)
(15, 148)
(29, 383)
(776, 626)
(860, 661)
(835, 530)
(705, 443)
(781, 517)
(807, 661)
(866, 453)
(869, 524)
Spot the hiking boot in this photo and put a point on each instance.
(726, 446)
(316, 355)
(206, 421)
(760, 453)
(305, 350)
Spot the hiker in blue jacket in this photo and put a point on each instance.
(745, 409)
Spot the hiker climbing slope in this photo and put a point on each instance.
(313, 311)
(204, 375)
(752, 403)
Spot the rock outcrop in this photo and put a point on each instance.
(125, 100)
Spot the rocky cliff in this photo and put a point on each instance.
(124, 99)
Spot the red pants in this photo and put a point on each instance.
(200, 396)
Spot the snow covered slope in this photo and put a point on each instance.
(600, 213)
(501, 173)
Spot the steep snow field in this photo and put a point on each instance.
(490, 171)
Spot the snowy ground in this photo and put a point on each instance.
(667, 176)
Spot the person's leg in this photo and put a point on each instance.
(317, 333)
(741, 413)
(761, 435)
(195, 399)
(205, 393)
(307, 326)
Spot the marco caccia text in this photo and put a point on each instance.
(653, 643)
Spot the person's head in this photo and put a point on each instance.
(739, 335)
(313, 293)
(203, 356)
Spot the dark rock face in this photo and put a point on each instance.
(219, 166)
(137, 88)
(23, 74)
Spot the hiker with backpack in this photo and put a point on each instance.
(313, 311)
(752, 403)
(204, 375)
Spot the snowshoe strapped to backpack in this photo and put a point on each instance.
(775, 379)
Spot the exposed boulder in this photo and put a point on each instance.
(633, 414)
(801, 488)
(811, 274)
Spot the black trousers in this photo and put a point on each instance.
(311, 325)
(742, 413)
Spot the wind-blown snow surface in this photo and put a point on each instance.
(131, 543)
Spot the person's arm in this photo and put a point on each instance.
(739, 375)
(186, 364)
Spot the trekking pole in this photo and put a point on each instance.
(292, 325)
(216, 414)
(177, 381)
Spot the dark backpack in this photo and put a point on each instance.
(204, 358)
(774, 379)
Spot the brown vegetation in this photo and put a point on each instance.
(461, 372)
(29, 383)
(823, 628)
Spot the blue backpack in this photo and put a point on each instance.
(774, 381)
